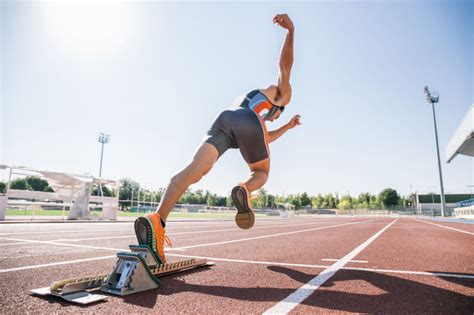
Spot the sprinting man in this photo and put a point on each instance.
(243, 127)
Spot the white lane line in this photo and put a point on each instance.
(179, 248)
(55, 264)
(257, 262)
(396, 271)
(14, 243)
(62, 244)
(352, 261)
(169, 229)
(170, 234)
(61, 231)
(273, 235)
(444, 226)
(175, 248)
(234, 229)
(294, 299)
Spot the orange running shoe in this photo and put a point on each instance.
(150, 231)
(245, 218)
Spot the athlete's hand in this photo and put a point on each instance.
(284, 21)
(295, 121)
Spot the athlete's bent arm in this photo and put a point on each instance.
(275, 134)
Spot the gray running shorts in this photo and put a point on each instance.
(240, 128)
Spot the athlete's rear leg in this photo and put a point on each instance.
(203, 160)
(245, 218)
(150, 229)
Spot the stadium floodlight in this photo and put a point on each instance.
(432, 98)
(103, 139)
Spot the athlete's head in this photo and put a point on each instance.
(276, 114)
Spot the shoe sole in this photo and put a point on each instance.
(245, 218)
(144, 232)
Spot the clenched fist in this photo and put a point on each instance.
(295, 121)
(284, 21)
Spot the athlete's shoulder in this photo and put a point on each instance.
(273, 94)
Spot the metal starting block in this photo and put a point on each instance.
(135, 271)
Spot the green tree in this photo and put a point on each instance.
(3, 187)
(211, 199)
(229, 202)
(363, 201)
(221, 201)
(317, 201)
(329, 201)
(304, 200)
(37, 184)
(344, 204)
(105, 190)
(20, 184)
(389, 197)
(127, 188)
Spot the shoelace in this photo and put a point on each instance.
(168, 241)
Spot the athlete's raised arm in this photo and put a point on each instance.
(286, 59)
(281, 94)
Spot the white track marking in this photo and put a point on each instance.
(273, 235)
(444, 226)
(235, 229)
(257, 262)
(168, 229)
(62, 244)
(352, 261)
(26, 241)
(14, 243)
(55, 264)
(396, 271)
(169, 234)
(62, 231)
(294, 299)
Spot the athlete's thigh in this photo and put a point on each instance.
(251, 136)
(204, 157)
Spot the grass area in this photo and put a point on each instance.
(173, 215)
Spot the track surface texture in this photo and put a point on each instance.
(311, 265)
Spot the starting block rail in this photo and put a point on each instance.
(135, 271)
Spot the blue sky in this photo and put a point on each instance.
(155, 74)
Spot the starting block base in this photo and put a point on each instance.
(135, 271)
(81, 297)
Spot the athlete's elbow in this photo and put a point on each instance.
(285, 67)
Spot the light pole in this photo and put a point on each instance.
(103, 139)
(432, 98)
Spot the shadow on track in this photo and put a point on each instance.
(379, 293)
(382, 293)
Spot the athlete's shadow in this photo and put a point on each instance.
(371, 292)
(358, 291)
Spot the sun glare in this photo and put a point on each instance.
(89, 27)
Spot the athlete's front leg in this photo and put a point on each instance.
(245, 218)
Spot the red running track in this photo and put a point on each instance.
(387, 265)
